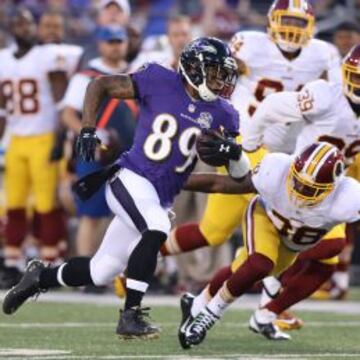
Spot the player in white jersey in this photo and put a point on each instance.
(52, 31)
(321, 111)
(300, 202)
(32, 82)
(284, 59)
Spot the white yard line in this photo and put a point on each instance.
(187, 357)
(227, 323)
(247, 302)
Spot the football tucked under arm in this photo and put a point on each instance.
(216, 149)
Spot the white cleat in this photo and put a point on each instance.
(260, 325)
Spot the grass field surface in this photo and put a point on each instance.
(65, 331)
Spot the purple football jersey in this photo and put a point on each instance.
(169, 121)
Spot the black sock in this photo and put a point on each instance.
(75, 272)
(142, 264)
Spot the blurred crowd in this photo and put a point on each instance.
(219, 18)
(111, 36)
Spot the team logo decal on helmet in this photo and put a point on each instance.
(351, 74)
(208, 66)
(314, 173)
(291, 23)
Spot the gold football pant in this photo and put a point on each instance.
(28, 168)
(261, 236)
(223, 212)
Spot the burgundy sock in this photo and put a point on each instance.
(219, 278)
(255, 268)
(188, 237)
(301, 286)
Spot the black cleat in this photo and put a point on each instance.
(196, 331)
(132, 325)
(26, 288)
(186, 302)
(9, 277)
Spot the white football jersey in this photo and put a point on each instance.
(319, 112)
(72, 55)
(26, 87)
(301, 228)
(268, 71)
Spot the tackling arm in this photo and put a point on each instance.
(276, 108)
(216, 183)
(115, 86)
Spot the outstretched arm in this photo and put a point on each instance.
(216, 183)
(115, 86)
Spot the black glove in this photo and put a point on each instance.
(88, 185)
(216, 149)
(86, 144)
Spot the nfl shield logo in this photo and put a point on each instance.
(205, 119)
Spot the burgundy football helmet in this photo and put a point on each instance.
(351, 74)
(314, 173)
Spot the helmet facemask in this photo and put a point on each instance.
(304, 192)
(214, 79)
(351, 82)
(314, 174)
(291, 30)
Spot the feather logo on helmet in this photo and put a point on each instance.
(209, 48)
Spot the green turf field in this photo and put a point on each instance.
(87, 332)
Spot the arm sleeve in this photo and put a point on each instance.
(314, 99)
(75, 93)
(240, 47)
(54, 59)
(276, 108)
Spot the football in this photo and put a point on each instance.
(206, 148)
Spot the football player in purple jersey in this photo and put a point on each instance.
(174, 108)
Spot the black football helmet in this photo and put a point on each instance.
(207, 66)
